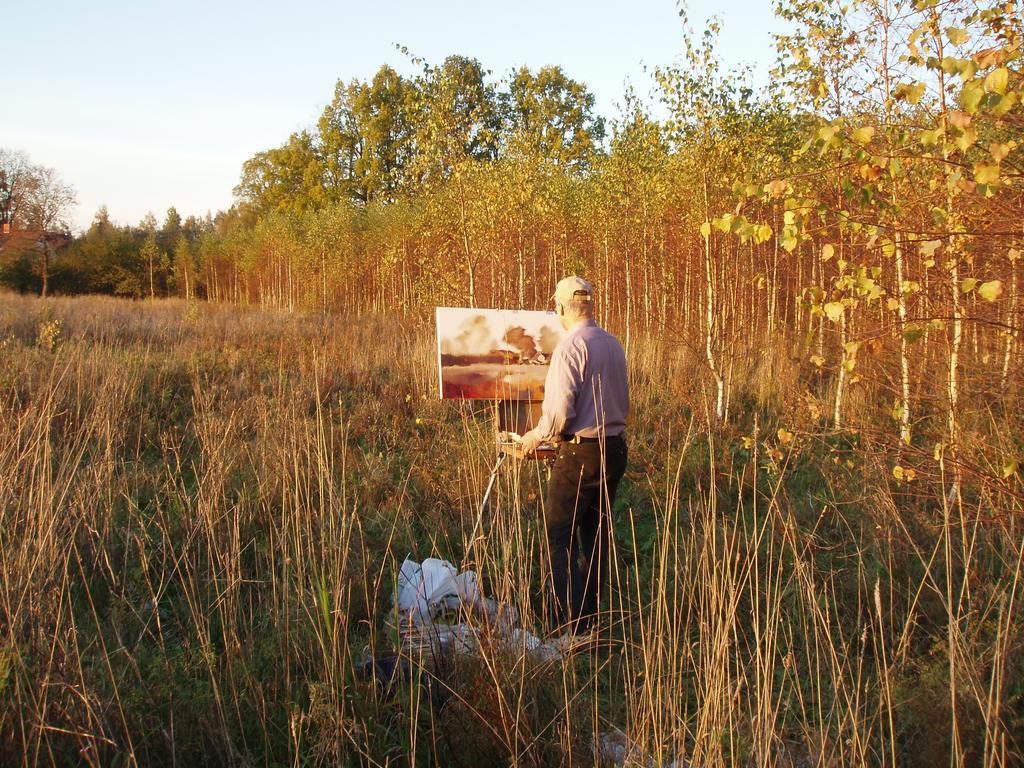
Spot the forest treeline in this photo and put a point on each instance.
(870, 194)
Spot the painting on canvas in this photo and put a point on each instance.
(495, 354)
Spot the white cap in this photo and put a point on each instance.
(570, 288)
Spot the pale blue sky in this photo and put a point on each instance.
(143, 105)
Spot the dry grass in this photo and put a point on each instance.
(202, 510)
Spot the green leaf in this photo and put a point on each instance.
(834, 310)
(912, 332)
(705, 229)
(1005, 104)
(991, 290)
(968, 284)
(996, 80)
(970, 97)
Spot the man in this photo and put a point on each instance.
(586, 402)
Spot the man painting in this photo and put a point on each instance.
(586, 401)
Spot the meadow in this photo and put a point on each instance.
(203, 509)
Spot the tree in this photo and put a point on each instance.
(382, 113)
(289, 178)
(16, 174)
(47, 203)
(170, 230)
(710, 120)
(457, 117)
(552, 115)
(150, 256)
(184, 266)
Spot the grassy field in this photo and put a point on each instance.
(203, 509)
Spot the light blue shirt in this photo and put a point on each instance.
(585, 392)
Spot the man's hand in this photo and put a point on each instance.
(529, 443)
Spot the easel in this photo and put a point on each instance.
(516, 416)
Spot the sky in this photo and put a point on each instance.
(141, 105)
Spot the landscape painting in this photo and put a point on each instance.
(494, 354)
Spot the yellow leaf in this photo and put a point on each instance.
(705, 229)
(834, 311)
(986, 174)
(910, 93)
(959, 119)
(1009, 469)
(966, 139)
(897, 472)
(827, 251)
(864, 135)
(999, 151)
(956, 35)
(817, 361)
(991, 290)
(996, 80)
(785, 436)
(892, 304)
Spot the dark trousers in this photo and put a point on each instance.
(584, 480)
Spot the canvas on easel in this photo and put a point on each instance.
(499, 355)
(495, 354)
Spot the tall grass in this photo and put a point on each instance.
(203, 509)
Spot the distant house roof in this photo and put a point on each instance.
(21, 240)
